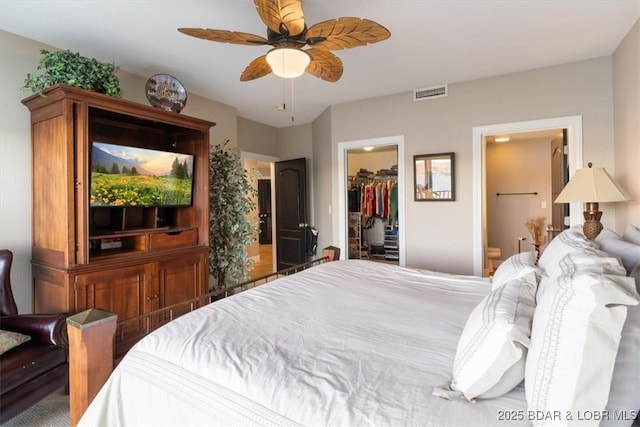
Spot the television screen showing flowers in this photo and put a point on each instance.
(123, 176)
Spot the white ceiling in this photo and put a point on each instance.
(432, 42)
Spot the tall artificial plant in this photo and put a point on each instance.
(231, 198)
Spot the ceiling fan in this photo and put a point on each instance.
(287, 32)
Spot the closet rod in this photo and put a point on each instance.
(385, 178)
(534, 193)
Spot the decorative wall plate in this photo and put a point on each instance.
(166, 92)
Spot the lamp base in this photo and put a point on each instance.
(592, 226)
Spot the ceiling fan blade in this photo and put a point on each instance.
(256, 69)
(282, 16)
(324, 65)
(224, 36)
(345, 33)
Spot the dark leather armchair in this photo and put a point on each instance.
(38, 367)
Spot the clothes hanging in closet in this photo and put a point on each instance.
(380, 200)
(393, 205)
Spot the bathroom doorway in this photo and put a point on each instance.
(573, 127)
(519, 169)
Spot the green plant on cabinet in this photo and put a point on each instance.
(73, 69)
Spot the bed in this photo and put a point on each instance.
(346, 343)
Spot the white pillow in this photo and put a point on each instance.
(614, 244)
(575, 336)
(632, 234)
(568, 241)
(514, 267)
(492, 349)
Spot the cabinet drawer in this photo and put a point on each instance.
(173, 239)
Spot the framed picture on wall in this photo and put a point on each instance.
(434, 177)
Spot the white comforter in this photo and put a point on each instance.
(348, 343)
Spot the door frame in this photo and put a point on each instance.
(573, 124)
(345, 146)
(271, 159)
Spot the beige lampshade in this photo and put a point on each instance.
(592, 185)
(288, 62)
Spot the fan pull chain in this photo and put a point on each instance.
(292, 104)
(284, 95)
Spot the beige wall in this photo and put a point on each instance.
(626, 95)
(439, 234)
(257, 138)
(517, 167)
(324, 180)
(264, 169)
(295, 142)
(19, 56)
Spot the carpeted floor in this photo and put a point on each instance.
(52, 411)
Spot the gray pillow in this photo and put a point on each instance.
(613, 244)
(632, 234)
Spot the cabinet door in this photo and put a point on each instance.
(122, 291)
(181, 279)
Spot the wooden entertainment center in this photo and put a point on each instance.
(126, 260)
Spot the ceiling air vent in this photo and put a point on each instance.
(430, 92)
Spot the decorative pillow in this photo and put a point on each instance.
(583, 311)
(613, 244)
(492, 349)
(9, 340)
(632, 234)
(514, 267)
(635, 273)
(569, 240)
(624, 398)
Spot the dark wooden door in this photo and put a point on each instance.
(291, 212)
(264, 211)
(559, 177)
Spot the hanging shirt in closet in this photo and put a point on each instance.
(393, 205)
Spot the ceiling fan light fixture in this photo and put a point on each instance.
(287, 62)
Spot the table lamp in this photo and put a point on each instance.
(591, 186)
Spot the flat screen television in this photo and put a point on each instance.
(123, 176)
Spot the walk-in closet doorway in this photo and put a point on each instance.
(385, 235)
